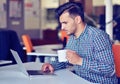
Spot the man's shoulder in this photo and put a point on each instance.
(95, 30)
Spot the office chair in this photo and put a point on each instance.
(9, 40)
(63, 37)
(116, 52)
(29, 48)
(27, 43)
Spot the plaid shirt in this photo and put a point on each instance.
(95, 47)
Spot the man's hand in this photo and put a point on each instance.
(46, 67)
(73, 57)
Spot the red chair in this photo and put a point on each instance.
(116, 52)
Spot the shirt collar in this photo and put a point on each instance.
(85, 29)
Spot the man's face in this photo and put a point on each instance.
(67, 23)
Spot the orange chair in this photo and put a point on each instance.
(29, 49)
(63, 35)
(27, 43)
(116, 52)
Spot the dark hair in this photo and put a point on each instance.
(74, 8)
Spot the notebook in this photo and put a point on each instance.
(23, 69)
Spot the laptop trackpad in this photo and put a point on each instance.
(38, 72)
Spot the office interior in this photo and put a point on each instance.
(33, 17)
(36, 18)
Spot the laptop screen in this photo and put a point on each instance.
(23, 69)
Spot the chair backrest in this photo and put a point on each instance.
(116, 52)
(27, 43)
(62, 35)
(9, 40)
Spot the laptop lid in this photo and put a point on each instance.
(19, 62)
(23, 69)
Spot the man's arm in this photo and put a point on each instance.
(58, 65)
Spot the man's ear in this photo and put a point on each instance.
(78, 19)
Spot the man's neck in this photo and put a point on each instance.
(80, 29)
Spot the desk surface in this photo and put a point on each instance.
(5, 62)
(12, 75)
(46, 50)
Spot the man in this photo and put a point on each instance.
(89, 49)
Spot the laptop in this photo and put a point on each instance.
(23, 69)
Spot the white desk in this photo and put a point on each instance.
(5, 62)
(12, 75)
(46, 50)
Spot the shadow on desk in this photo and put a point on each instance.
(6, 64)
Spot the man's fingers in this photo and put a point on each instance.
(51, 69)
(47, 68)
(43, 67)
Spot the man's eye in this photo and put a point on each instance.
(65, 23)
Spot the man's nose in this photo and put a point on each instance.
(62, 27)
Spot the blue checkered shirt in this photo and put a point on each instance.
(95, 47)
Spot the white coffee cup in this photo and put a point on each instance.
(62, 55)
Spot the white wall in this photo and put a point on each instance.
(3, 17)
(45, 24)
(102, 2)
(32, 14)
